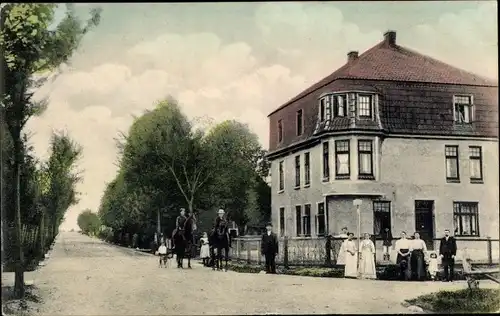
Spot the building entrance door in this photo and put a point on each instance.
(424, 221)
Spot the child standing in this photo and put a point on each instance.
(387, 243)
(162, 252)
(433, 265)
(205, 249)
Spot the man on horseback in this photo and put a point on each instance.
(180, 221)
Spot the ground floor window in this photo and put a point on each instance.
(298, 220)
(381, 216)
(320, 220)
(282, 221)
(466, 218)
(306, 220)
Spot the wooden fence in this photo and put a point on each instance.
(322, 251)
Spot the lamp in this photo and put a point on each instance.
(358, 203)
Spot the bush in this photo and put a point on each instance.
(462, 301)
(106, 234)
(312, 272)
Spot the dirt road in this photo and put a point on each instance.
(86, 276)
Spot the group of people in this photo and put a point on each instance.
(348, 256)
(412, 256)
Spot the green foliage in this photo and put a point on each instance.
(166, 164)
(28, 48)
(462, 301)
(89, 222)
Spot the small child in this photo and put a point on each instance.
(433, 265)
(162, 252)
(205, 249)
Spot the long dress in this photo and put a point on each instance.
(417, 259)
(367, 261)
(205, 248)
(342, 253)
(403, 246)
(351, 261)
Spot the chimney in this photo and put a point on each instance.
(390, 38)
(352, 56)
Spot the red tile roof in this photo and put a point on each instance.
(391, 62)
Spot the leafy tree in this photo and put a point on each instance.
(237, 157)
(28, 47)
(62, 178)
(89, 222)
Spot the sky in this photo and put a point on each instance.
(232, 61)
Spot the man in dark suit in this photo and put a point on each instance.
(447, 252)
(269, 248)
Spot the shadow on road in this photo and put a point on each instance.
(19, 307)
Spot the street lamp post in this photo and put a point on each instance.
(357, 203)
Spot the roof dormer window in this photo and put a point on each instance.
(322, 109)
(365, 105)
(339, 105)
(463, 109)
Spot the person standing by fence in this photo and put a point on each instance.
(269, 248)
(351, 257)
(403, 248)
(447, 252)
(386, 243)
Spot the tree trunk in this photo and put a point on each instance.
(19, 266)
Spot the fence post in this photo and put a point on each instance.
(259, 254)
(328, 250)
(490, 251)
(238, 249)
(249, 257)
(285, 252)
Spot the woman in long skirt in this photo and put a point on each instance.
(403, 248)
(367, 260)
(341, 254)
(350, 258)
(417, 261)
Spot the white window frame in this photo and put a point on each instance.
(301, 131)
(316, 222)
(295, 216)
(284, 220)
(323, 98)
(372, 102)
(298, 175)
(306, 176)
(471, 105)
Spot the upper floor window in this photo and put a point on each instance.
(365, 105)
(322, 109)
(476, 163)
(342, 168)
(307, 169)
(281, 184)
(297, 171)
(280, 131)
(326, 162)
(462, 109)
(451, 158)
(299, 125)
(365, 159)
(339, 105)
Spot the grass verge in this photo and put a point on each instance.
(461, 301)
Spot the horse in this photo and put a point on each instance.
(220, 239)
(184, 241)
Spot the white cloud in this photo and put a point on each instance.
(222, 81)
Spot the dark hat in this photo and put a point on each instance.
(269, 224)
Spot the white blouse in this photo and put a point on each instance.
(402, 243)
(418, 244)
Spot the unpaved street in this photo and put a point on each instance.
(85, 276)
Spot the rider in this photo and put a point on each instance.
(179, 225)
(220, 220)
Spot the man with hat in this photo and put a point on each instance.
(269, 248)
(179, 225)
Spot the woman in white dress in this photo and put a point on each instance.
(341, 255)
(205, 249)
(351, 257)
(367, 260)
